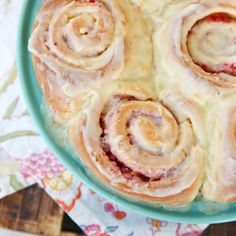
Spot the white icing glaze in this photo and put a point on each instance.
(150, 6)
(72, 52)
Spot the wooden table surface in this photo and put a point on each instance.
(227, 229)
(33, 211)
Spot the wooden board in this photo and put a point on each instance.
(31, 210)
(228, 229)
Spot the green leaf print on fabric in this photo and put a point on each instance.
(25, 113)
(6, 5)
(15, 183)
(9, 80)
(11, 108)
(111, 229)
(17, 134)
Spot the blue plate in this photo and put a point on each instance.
(212, 213)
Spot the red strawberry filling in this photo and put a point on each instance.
(220, 17)
(127, 172)
(225, 68)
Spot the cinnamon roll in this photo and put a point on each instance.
(220, 183)
(143, 148)
(81, 44)
(195, 43)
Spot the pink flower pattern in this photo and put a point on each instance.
(41, 166)
(94, 230)
(187, 230)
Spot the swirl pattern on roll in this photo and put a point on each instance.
(80, 39)
(83, 44)
(200, 44)
(143, 148)
(212, 46)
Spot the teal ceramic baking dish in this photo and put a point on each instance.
(198, 212)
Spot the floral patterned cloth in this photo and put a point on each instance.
(25, 159)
